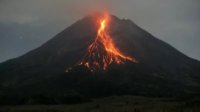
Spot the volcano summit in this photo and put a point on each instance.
(102, 51)
(126, 60)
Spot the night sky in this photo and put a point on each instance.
(26, 24)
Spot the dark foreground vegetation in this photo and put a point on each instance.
(114, 104)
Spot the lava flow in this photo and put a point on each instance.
(102, 52)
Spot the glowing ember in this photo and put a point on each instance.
(103, 52)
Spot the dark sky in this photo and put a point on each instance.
(26, 24)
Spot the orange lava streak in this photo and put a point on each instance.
(103, 52)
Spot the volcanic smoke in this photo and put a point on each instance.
(102, 52)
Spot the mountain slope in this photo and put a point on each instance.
(161, 69)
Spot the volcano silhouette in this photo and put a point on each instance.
(161, 69)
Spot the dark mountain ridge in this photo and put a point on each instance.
(161, 69)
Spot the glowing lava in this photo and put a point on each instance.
(102, 51)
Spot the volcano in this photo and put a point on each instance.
(96, 57)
